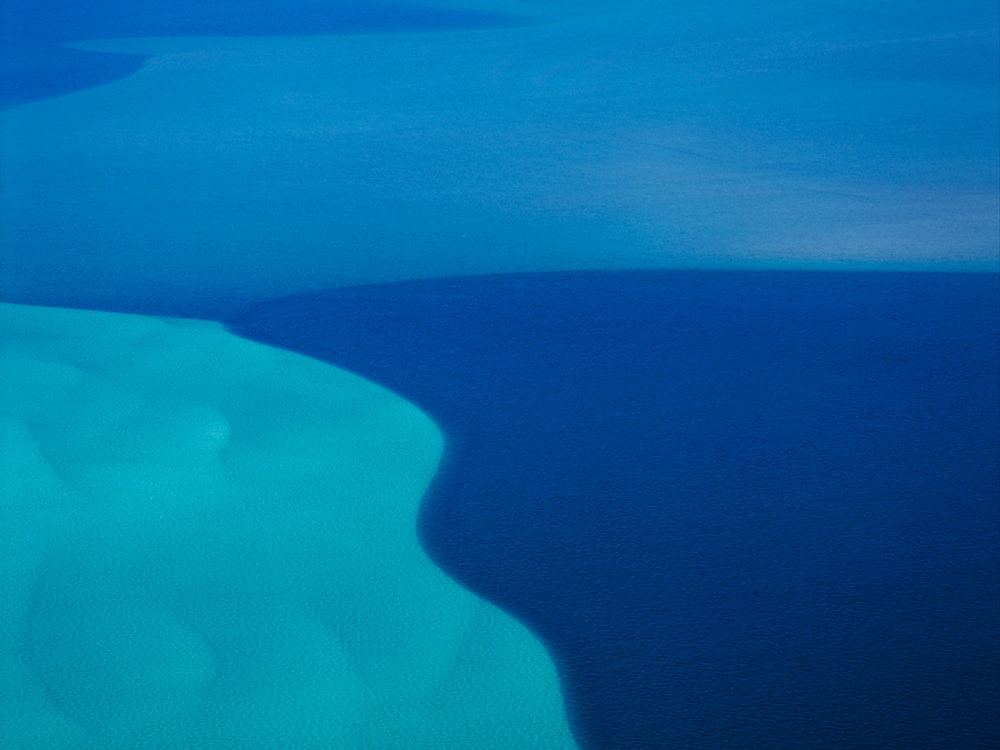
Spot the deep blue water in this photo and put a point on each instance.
(743, 509)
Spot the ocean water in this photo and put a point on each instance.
(37, 64)
(233, 169)
(703, 297)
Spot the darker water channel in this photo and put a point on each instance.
(742, 509)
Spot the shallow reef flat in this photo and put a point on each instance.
(212, 543)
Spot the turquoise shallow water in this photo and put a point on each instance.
(210, 543)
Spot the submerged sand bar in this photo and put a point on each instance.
(211, 543)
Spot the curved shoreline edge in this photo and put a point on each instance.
(213, 541)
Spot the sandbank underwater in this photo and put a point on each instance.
(212, 543)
